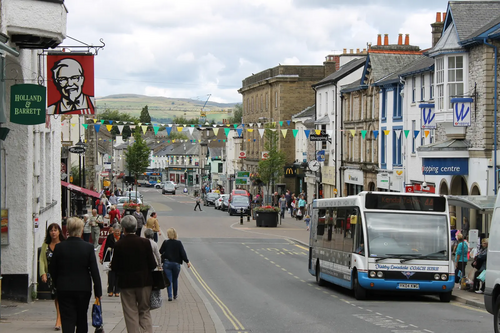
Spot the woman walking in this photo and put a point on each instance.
(173, 254)
(53, 236)
(141, 221)
(152, 223)
(110, 242)
(460, 258)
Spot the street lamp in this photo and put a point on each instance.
(80, 149)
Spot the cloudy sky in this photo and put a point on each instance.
(191, 48)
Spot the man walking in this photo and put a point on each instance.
(95, 222)
(133, 261)
(282, 205)
(198, 201)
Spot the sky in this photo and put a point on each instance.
(192, 48)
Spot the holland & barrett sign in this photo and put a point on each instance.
(27, 104)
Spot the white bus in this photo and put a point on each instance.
(383, 241)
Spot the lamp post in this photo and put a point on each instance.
(81, 148)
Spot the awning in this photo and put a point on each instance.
(483, 203)
(82, 190)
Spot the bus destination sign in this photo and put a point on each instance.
(405, 202)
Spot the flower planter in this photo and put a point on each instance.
(266, 219)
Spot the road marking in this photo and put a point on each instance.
(465, 306)
(302, 247)
(234, 321)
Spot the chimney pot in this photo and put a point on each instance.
(345, 51)
(438, 17)
(351, 51)
(386, 39)
(357, 50)
(444, 17)
(407, 39)
(364, 50)
(400, 39)
(379, 39)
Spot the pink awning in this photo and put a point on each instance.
(82, 190)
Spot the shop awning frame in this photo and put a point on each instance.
(82, 190)
(485, 204)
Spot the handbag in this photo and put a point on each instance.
(155, 299)
(482, 276)
(106, 265)
(160, 280)
(97, 313)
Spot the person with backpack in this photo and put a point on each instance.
(114, 215)
(198, 201)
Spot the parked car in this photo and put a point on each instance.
(225, 203)
(168, 187)
(238, 203)
(210, 198)
(218, 202)
(238, 192)
(133, 195)
(159, 185)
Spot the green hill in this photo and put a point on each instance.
(164, 109)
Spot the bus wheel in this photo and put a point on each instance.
(496, 315)
(359, 292)
(445, 297)
(319, 280)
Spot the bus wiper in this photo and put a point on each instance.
(403, 256)
(381, 258)
(391, 255)
(430, 255)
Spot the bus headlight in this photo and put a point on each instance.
(444, 277)
(380, 274)
(437, 276)
(373, 274)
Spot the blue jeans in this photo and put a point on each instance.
(172, 269)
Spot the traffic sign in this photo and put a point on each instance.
(242, 181)
(242, 174)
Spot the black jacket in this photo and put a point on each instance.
(133, 261)
(74, 267)
(172, 250)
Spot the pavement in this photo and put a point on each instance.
(191, 312)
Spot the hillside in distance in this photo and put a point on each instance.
(164, 109)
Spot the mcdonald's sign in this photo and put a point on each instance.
(290, 171)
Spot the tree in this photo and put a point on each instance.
(145, 118)
(137, 156)
(237, 115)
(271, 169)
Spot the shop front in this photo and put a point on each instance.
(328, 180)
(390, 181)
(354, 181)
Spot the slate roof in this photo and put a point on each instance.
(490, 25)
(166, 151)
(215, 151)
(384, 64)
(470, 16)
(351, 87)
(310, 111)
(423, 64)
(191, 149)
(343, 71)
(447, 43)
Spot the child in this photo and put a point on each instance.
(307, 219)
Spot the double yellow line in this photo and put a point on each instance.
(234, 321)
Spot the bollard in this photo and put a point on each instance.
(241, 216)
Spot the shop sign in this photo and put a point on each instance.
(320, 137)
(27, 104)
(445, 166)
(428, 114)
(265, 155)
(77, 149)
(290, 171)
(320, 155)
(243, 154)
(461, 111)
(353, 177)
(328, 175)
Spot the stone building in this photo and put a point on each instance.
(273, 96)
(30, 159)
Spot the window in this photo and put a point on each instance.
(422, 87)
(351, 147)
(351, 107)
(413, 89)
(220, 167)
(383, 147)
(397, 146)
(384, 104)
(320, 104)
(276, 99)
(440, 83)
(413, 140)
(399, 110)
(326, 103)
(267, 101)
(261, 102)
(323, 131)
(455, 77)
(431, 79)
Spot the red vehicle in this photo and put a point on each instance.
(238, 192)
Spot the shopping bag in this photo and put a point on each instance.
(97, 313)
(160, 280)
(482, 276)
(108, 256)
(155, 300)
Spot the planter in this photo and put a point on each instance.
(266, 219)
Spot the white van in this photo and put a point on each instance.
(492, 290)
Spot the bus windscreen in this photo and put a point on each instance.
(406, 202)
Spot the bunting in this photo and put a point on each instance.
(398, 133)
(169, 129)
(261, 132)
(250, 130)
(227, 130)
(353, 132)
(179, 128)
(144, 129)
(283, 132)
(415, 134)
(426, 133)
(363, 134)
(239, 131)
(406, 133)
(97, 128)
(190, 130)
(295, 132)
(375, 134)
(216, 131)
(109, 127)
(386, 132)
(120, 128)
(156, 128)
(306, 132)
(85, 126)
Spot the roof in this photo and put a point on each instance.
(449, 145)
(166, 150)
(215, 151)
(322, 121)
(447, 43)
(185, 149)
(423, 64)
(384, 64)
(310, 111)
(343, 71)
(469, 17)
(351, 87)
(483, 203)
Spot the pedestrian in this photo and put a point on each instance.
(106, 256)
(141, 221)
(479, 264)
(302, 206)
(73, 268)
(101, 208)
(453, 234)
(293, 206)
(116, 191)
(282, 205)
(114, 215)
(113, 199)
(198, 201)
(308, 221)
(152, 223)
(53, 236)
(465, 227)
(149, 234)
(173, 254)
(87, 229)
(133, 261)
(104, 201)
(460, 258)
(96, 223)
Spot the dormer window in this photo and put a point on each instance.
(450, 80)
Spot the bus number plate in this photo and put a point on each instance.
(409, 286)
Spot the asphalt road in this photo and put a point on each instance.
(259, 283)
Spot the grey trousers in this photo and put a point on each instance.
(96, 231)
(136, 309)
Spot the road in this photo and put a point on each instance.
(258, 282)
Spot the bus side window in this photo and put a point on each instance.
(341, 225)
(320, 225)
(331, 217)
(359, 241)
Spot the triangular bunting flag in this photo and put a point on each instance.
(288, 122)
(239, 130)
(306, 132)
(281, 123)
(102, 121)
(250, 130)
(110, 122)
(191, 129)
(169, 125)
(73, 125)
(179, 128)
(251, 124)
(144, 129)
(353, 132)
(120, 128)
(363, 134)
(132, 127)
(216, 131)
(169, 129)
(261, 132)
(283, 131)
(295, 133)
(235, 125)
(318, 131)
(109, 127)
(227, 130)
(156, 128)
(97, 128)
(398, 133)
(415, 134)
(95, 120)
(406, 133)
(427, 133)
(140, 124)
(85, 126)
(375, 134)
(258, 125)
(386, 132)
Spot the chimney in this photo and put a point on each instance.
(379, 39)
(345, 51)
(437, 28)
(364, 51)
(444, 17)
(386, 39)
(407, 39)
(400, 39)
(351, 51)
(330, 64)
(357, 51)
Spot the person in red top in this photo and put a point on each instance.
(114, 215)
